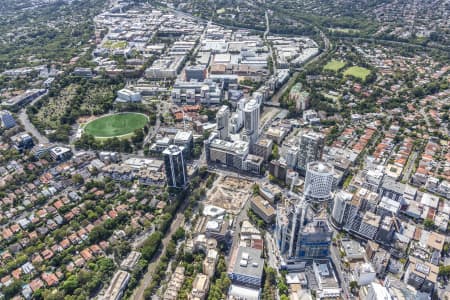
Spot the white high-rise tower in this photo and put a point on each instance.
(319, 181)
(251, 121)
(222, 119)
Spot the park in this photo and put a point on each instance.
(116, 125)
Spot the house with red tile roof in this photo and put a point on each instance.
(96, 250)
(50, 279)
(80, 262)
(16, 273)
(36, 284)
(6, 280)
(37, 258)
(47, 254)
(58, 204)
(86, 254)
(7, 234)
(15, 228)
(112, 214)
(65, 243)
(74, 239)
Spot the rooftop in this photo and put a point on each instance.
(249, 262)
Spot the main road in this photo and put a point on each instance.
(29, 127)
(138, 293)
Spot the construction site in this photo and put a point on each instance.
(230, 193)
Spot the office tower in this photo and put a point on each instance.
(341, 208)
(310, 149)
(318, 181)
(297, 239)
(251, 121)
(222, 118)
(175, 166)
(184, 139)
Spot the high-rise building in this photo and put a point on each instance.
(222, 118)
(175, 166)
(310, 149)
(341, 207)
(184, 139)
(319, 181)
(296, 237)
(251, 121)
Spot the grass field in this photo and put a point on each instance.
(357, 72)
(345, 30)
(334, 65)
(115, 125)
(115, 45)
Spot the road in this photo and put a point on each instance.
(409, 166)
(341, 274)
(29, 127)
(266, 33)
(138, 293)
(242, 216)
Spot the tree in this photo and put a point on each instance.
(70, 284)
(179, 234)
(255, 189)
(353, 285)
(98, 233)
(428, 223)
(11, 290)
(151, 245)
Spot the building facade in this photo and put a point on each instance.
(319, 181)
(175, 166)
(310, 149)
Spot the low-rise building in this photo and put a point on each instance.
(22, 141)
(6, 119)
(130, 261)
(246, 267)
(200, 287)
(421, 275)
(263, 209)
(117, 286)
(60, 153)
(126, 95)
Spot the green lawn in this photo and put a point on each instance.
(115, 45)
(345, 30)
(357, 72)
(115, 125)
(334, 65)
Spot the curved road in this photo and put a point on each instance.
(29, 127)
